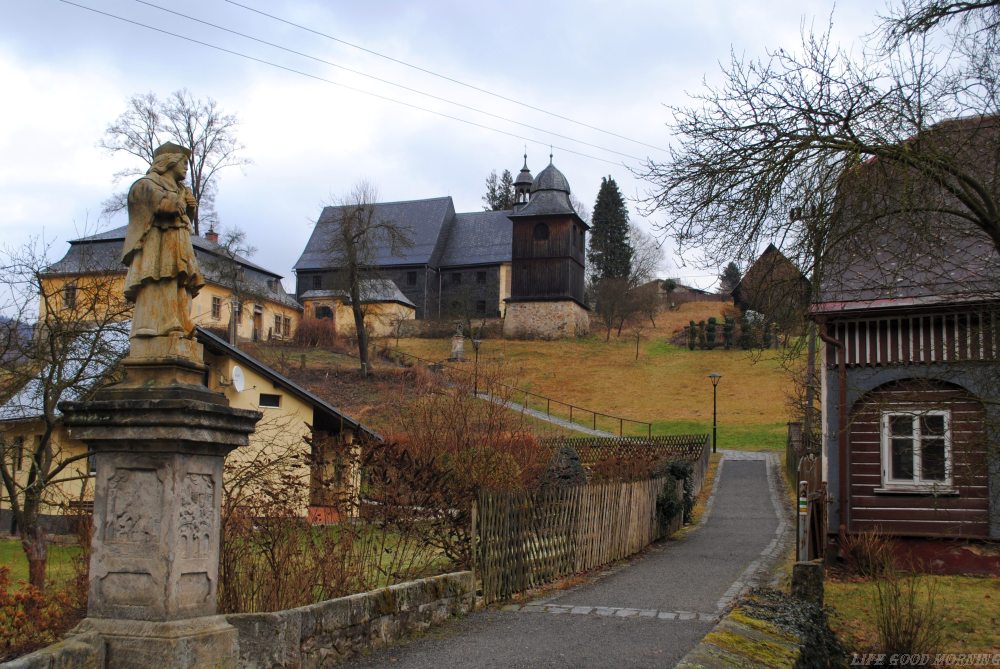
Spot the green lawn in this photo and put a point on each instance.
(970, 608)
(60, 564)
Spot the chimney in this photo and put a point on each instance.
(212, 236)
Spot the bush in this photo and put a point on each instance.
(867, 554)
(314, 332)
(682, 470)
(710, 330)
(906, 613)
(31, 618)
(668, 504)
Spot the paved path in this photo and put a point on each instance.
(648, 612)
(541, 415)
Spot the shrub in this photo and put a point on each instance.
(867, 554)
(692, 336)
(314, 332)
(727, 332)
(907, 616)
(31, 618)
(682, 470)
(710, 331)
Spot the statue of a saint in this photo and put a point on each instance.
(163, 273)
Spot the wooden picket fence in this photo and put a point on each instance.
(524, 540)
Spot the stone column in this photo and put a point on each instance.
(160, 439)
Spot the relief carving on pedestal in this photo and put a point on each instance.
(197, 514)
(135, 502)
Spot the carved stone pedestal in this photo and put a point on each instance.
(154, 565)
(139, 644)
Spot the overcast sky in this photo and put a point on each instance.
(67, 72)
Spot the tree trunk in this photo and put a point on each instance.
(359, 327)
(36, 550)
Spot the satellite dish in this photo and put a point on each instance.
(239, 381)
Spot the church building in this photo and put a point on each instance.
(525, 265)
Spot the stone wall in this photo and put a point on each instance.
(317, 635)
(546, 320)
(321, 634)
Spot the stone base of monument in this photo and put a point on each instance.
(203, 642)
(159, 441)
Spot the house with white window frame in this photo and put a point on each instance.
(908, 309)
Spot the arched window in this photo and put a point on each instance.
(324, 312)
(541, 232)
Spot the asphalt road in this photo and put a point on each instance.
(647, 612)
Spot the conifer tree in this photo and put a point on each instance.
(499, 191)
(610, 253)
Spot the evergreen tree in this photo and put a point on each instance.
(729, 278)
(610, 253)
(499, 191)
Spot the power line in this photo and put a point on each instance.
(441, 76)
(337, 83)
(386, 81)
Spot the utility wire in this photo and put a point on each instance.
(441, 76)
(386, 81)
(337, 83)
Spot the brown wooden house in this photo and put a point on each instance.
(909, 308)
(775, 288)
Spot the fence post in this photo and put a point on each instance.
(802, 524)
(595, 420)
(473, 548)
(621, 424)
(548, 406)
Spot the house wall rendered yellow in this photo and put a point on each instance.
(505, 275)
(75, 484)
(280, 433)
(96, 294)
(256, 312)
(380, 317)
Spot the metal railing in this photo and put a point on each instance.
(572, 412)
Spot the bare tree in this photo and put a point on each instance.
(77, 342)
(224, 265)
(780, 134)
(197, 124)
(359, 236)
(618, 300)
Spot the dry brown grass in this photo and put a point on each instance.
(667, 385)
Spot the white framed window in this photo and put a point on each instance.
(916, 451)
(269, 400)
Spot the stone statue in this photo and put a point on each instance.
(163, 274)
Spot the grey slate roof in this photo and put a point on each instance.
(549, 196)
(372, 290)
(102, 253)
(479, 238)
(427, 222)
(86, 365)
(898, 268)
(898, 244)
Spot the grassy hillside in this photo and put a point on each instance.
(667, 385)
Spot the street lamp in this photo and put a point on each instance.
(475, 382)
(714, 378)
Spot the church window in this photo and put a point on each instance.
(541, 232)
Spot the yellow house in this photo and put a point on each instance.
(89, 281)
(382, 303)
(290, 415)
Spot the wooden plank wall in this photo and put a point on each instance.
(962, 514)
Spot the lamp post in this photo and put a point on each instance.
(714, 378)
(475, 381)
